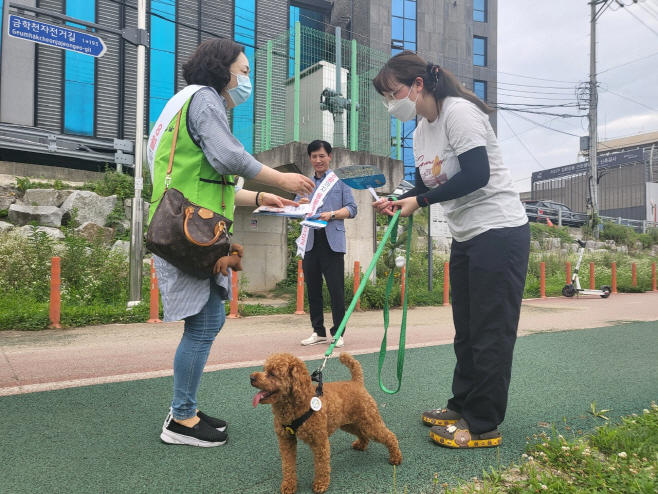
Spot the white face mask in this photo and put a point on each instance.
(403, 109)
(242, 91)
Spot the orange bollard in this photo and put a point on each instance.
(568, 273)
(357, 282)
(653, 276)
(154, 315)
(542, 281)
(446, 283)
(300, 288)
(234, 303)
(403, 279)
(591, 276)
(55, 295)
(614, 278)
(634, 267)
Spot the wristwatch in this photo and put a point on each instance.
(333, 215)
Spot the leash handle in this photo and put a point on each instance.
(362, 286)
(403, 325)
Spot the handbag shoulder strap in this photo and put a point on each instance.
(173, 150)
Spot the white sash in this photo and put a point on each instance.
(168, 113)
(316, 201)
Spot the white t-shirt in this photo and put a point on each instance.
(461, 127)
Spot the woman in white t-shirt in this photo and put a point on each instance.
(458, 163)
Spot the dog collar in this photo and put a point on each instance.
(298, 422)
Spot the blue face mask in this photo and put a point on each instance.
(242, 91)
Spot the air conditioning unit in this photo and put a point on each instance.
(314, 122)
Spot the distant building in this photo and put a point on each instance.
(627, 178)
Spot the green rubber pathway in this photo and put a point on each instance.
(105, 438)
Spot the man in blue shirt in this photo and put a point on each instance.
(325, 248)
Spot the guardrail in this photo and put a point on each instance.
(562, 218)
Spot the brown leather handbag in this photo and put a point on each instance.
(190, 237)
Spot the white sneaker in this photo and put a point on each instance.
(339, 343)
(314, 340)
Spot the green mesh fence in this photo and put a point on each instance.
(291, 73)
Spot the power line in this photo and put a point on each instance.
(633, 101)
(541, 125)
(627, 63)
(641, 21)
(519, 139)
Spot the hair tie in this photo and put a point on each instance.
(433, 70)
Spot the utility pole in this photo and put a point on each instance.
(137, 220)
(593, 99)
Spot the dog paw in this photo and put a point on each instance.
(288, 487)
(395, 458)
(360, 445)
(320, 486)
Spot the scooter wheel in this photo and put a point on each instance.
(568, 291)
(606, 291)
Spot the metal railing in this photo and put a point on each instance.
(569, 218)
(291, 74)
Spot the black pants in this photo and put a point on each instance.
(321, 260)
(487, 277)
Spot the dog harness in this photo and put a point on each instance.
(316, 404)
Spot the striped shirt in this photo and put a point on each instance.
(184, 295)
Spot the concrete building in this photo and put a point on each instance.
(627, 178)
(79, 111)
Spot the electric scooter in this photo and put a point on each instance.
(574, 287)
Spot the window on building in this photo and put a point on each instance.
(245, 33)
(480, 89)
(479, 51)
(480, 10)
(403, 37)
(403, 26)
(311, 52)
(162, 66)
(79, 77)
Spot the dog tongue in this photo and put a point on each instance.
(258, 397)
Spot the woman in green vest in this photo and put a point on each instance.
(208, 160)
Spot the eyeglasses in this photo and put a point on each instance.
(390, 97)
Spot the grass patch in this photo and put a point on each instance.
(615, 458)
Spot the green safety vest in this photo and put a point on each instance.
(191, 173)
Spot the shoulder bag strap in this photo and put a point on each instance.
(171, 158)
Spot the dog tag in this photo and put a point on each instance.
(316, 404)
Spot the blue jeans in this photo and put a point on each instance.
(192, 353)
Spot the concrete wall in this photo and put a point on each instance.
(17, 71)
(266, 253)
(47, 172)
(444, 34)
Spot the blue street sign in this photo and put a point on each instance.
(57, 36)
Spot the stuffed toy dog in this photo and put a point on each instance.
(233, 260)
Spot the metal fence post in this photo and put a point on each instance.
(559, 217)
(354, 96)
(268, 99)
(298, 49)
(398, 139)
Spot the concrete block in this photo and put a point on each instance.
(91, 207)
(46, 197)
(43, 215)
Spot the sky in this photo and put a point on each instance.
(549, 41)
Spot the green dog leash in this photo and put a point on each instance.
(389, 286)
(391, 232)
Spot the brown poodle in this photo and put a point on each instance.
(286, 385)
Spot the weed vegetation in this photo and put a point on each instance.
(619, 458)
(95, 280)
